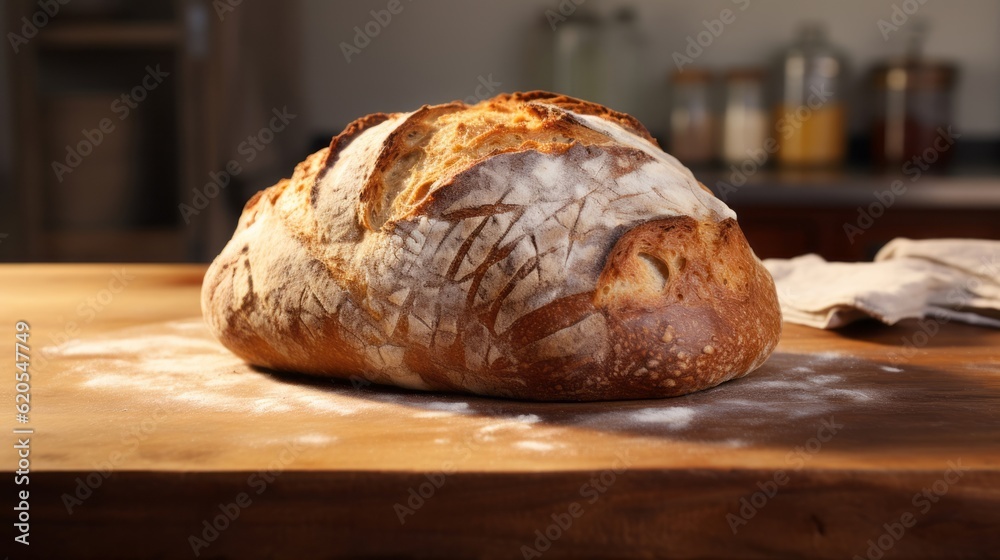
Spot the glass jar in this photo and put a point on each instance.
(913, 100)
(692, 119)
(809, 114)
(745, 119)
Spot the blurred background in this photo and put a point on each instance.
(136, 131)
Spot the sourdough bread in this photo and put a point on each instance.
(531, 246)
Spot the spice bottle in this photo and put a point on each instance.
(912, 102)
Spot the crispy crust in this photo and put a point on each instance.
(582, 107)
(514, 248)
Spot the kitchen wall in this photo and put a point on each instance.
(437, 50)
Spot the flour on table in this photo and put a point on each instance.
(532, 445)
(442, 409)
(311, 440)
(674, 417)
(315, 439)
(787, 393)
(179, 365)
(188, 367)
(520, 423)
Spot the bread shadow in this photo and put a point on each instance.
(912, 333)
(783, 404)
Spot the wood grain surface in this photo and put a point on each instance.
(147, 432)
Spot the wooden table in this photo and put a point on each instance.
(151, 433)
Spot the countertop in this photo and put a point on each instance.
(150, 439)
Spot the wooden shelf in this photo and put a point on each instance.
(130, 34)
(846, 189)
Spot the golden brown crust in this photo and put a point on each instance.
(516, 248)
(584, 108)
(400, 146)
(341, 140)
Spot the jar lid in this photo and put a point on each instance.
(914, 74)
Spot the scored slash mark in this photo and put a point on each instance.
(572, 231)
(456, 262)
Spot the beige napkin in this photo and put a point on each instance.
(950, 279)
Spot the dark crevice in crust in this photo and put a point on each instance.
(393, 149)
(549, 319)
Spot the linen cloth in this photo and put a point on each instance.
(949, 279)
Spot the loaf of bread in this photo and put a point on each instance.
(531, 246)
